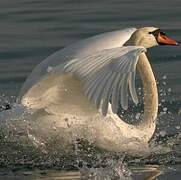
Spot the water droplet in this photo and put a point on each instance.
(169, 90)
(164, 83)
(164, 77)
(49, 69)
(179, 112)
(162, 133)
(177, 127)
(137, 116)
(165, 109)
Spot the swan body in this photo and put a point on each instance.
(79, 87)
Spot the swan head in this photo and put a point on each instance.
(150, 36)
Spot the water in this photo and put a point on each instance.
(30, 31)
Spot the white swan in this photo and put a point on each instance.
(79, 87)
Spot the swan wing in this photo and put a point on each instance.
(107, 76)
(81, 48)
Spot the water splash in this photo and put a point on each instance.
(25, 142)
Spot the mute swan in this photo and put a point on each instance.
(79, 87)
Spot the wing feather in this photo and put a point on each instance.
(124, 92)
(108, 75)
(99, 86)
(132, 87)
(107, 93)
(115, 94)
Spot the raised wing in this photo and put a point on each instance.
(81, 48)
(107, 75)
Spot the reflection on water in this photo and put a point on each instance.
(142, 173)
(44, 174)
(31, 30)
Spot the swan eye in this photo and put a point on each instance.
(162, 33)
(156, 32)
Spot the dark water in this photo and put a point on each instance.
(30, 30)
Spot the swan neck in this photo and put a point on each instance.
(150, 94)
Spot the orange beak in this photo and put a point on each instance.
(164, 40)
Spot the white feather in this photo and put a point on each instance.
(82, 48)
(108, 73)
